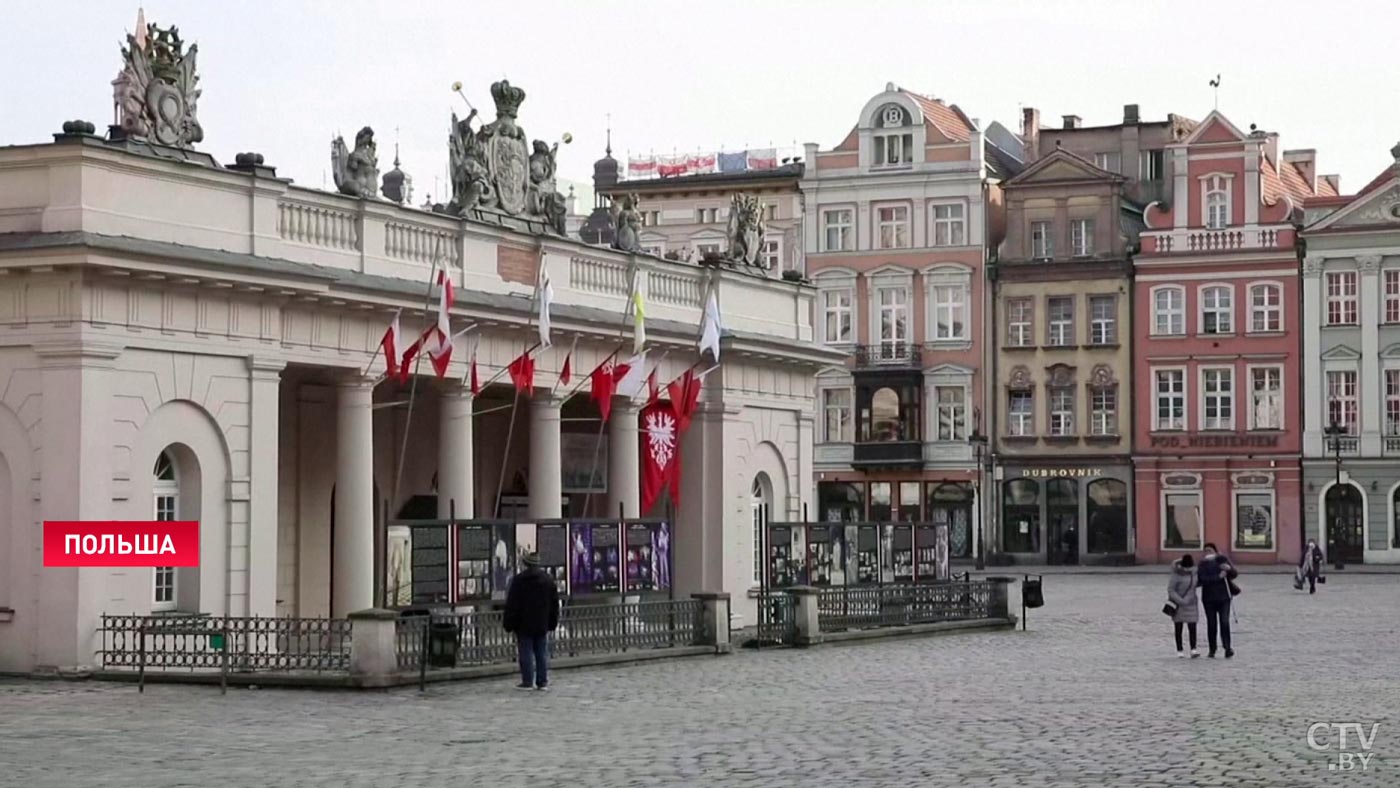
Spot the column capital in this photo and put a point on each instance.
(356, 381)
(1312, 265)
(544, 399)
(453, 389)
(265, 367)
(1369, 263)
(621, 404)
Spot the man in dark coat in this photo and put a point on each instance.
(532, 612)
(1213, 575)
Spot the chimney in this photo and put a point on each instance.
(1030, 132)
(1306, 162)
(1071, 121)
(1130, 114)
(1336, 181)
(1271, 148)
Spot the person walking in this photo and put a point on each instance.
(1181, 590)
(532, 612)
(1310, 567)
(1214, 577)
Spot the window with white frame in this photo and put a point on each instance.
(893, 149)
(1020, 322)
(1392, 295)
(1081, 237)
(1341, 298)
(1392, 402)
(1103, 320)
(1060, 320)
(836, 408)
(1152, 165)
(1266, 398)
(1342, 405)
(1062, 410)
(1169, 311)
(1183, 528)
(1265, 308)
(1254, 520)
(1103, 411)
(893, 303)
(892, 226)
(773, 254)
(949, 226)
(950, 312)
(1217, 310)
(1042, 241)
(838, 228)
(1111, 162)
(166, 488)
(1020, 412)
(1217, 398)
(838, 315)
(952, 412)
(1217, 201)
(706, 215)
(1171, 399)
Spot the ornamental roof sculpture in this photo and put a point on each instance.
(156, 91)
(356, 172)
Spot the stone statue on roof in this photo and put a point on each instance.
(156, 92)
(745, 231)
(356, 172)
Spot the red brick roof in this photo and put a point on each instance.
(950, 120)
(1287, 179)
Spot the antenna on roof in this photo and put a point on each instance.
(1215, 83)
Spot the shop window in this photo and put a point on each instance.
(950, 504)
(1182, 527)
(841, 502)
(1108, 516)
(880, 503)
(1254, 521)
(1062, 520)
(909, 501)
(1020, 516)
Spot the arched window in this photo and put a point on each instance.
(1020, 522)
(760, 502)
(884, 415)
(1108, 516)
(1217, 202)
(950, 503)
(166, 489)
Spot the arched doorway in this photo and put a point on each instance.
(1344, 513)
(760, 504)
(950, 503)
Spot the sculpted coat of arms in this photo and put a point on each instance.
(156, 91)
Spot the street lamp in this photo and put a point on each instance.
(1334, 432)
(979, 444)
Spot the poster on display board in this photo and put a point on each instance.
(826, 554)
(787, 556)
(902, 552)
(430, 572)
(549, 541)
(486, 559)
(594, 560)
(867, 554)
(648, 556)
(931, 552)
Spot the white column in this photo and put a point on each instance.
(1312, 387)
(1369, 382)
(455, 467)
(352, 585)
(624, 463)
(546, 475)
(265, 385)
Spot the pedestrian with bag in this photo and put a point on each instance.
(1216, 576)
(532, 612)
(1310, 568)
(1182, 604)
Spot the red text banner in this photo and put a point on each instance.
(121, 543)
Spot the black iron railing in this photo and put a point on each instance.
(856, 607)
(215, 643)
(777, 618)
(898, 355)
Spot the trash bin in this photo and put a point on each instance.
(1031, 594)
(443, 640)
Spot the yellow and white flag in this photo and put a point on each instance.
(639, 322)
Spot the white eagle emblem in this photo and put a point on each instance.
(661, 437)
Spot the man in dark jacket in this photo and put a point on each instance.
(532, 612)
(1213, 576)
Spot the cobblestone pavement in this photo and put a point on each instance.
(1091, 695)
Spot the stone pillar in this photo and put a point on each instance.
(624, 459)
(373, 650)
(1314, 387)
(265, 383)
(546, 474)
(352, 586)
(809, 631)
(714, 621)
(456, 488)
(1369, 384)
(999, 603)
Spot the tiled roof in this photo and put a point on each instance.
(1287, 179)
(949, 119)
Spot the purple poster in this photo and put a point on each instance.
(580, 558)
(641, 569)
(661, 555)
(606, 557)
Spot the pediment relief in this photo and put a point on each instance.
(1382, 207)
(1391, 352)
(1341, 353)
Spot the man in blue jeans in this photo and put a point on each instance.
(532, 612)
(1213, 576)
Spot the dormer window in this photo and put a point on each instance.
(1217, 202)
(893, 139)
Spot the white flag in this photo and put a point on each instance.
(546, 298)
(632, 383)
(710, 328)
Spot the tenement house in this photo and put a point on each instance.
(896, 234)
(1063, 370)
(1351, 371)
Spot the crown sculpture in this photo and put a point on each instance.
(493, 169)
(155, 92)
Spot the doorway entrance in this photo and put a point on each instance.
(1346, 524)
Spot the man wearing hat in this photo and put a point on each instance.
(532, 612)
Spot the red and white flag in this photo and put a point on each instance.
(660, 454)
(763, 159)
(522, 374)
(603, 380)
(390, 345)
(410, 353)
(641, 167)
(476, 382)
(566, 372)
(437, 340)
(685, 397)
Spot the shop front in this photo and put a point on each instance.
(1059, 514)
(1248, 509)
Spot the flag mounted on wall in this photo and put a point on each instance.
(660, 454)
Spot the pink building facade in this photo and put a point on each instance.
(1218, 435)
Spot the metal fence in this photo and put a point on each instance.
(902, 605)
(216, 643)
(777, 619)
(479, 637)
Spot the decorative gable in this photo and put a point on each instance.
(1391, 352)
(1215, 128)
(1341, 353)
(1381, 207)
(1061, 165)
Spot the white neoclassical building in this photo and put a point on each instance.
(185, 340)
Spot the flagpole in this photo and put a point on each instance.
(603, 424)
(515, 402)
(380, 349)
(413, 387)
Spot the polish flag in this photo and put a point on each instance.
(476, 382)
(603, 384)
(438, 339)
(522, 374)
(390, 345)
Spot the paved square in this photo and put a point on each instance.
(1092, 695)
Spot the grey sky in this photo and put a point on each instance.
(281, 78)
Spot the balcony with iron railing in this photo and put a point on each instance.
(889, 355)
